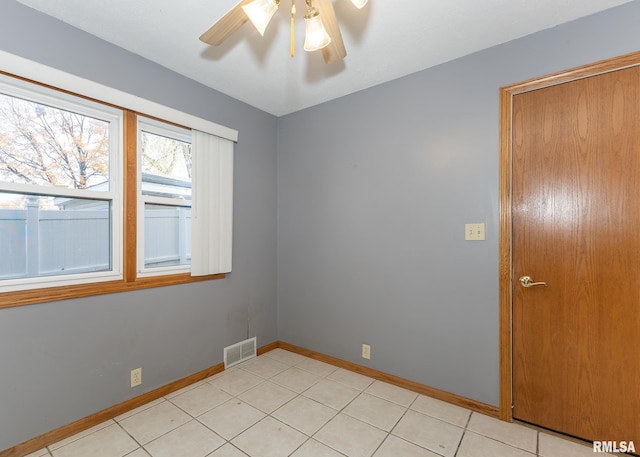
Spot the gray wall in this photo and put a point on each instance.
(374, 190)
(62, 361)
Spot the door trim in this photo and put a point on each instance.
(505, 224)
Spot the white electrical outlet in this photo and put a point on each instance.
(366, 351)
(136, 377)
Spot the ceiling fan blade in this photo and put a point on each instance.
(335, 51)
(227, 24)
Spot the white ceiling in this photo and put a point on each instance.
(385, 40)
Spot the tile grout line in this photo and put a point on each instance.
(311, 437)
(263, 380)
(360, 393)
(140, 446)
(298, 394)
(465, 429)
(388, 433)
(308, 437)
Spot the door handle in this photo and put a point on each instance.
(526, 281)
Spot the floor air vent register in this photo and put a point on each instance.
(239, 352)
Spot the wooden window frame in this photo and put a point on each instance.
(130, 281)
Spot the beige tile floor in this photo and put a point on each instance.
(283, 404)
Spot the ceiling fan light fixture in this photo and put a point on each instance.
(316, 36)
(359, 3)
(321, 25)
(260, 13)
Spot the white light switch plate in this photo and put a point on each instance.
(474, 232)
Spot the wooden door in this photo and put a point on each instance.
(576, 226)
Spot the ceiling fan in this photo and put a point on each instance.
(321, 25)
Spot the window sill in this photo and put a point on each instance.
(34, 296)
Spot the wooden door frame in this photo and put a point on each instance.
(505, 254)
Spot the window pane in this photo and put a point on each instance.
(166, 166)
(45, 236)
(48, 146)
(167, 235)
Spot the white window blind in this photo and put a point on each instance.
(212, 204)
